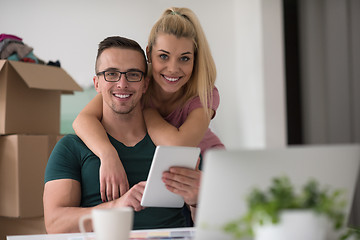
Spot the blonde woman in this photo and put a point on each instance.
(178, 106)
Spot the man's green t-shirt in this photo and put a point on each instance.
(71, 159)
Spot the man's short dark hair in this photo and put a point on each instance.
(120, 42)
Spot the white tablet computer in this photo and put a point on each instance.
(155, 193)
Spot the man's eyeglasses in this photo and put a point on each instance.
(114, 76)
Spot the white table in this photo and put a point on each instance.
(65, 236)
(169, 233)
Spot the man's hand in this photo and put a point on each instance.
(113, 179)
(184, 182)
(132, 198)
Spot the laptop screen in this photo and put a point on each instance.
(229, 175)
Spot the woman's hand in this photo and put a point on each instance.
(113, 179)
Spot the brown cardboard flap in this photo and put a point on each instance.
(45, 77)
(2, 62)
(9, 175)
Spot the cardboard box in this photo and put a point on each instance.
(30, 97)
(23, 160)
(21, 226)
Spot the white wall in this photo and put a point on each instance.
(245, 37)
(260, 74)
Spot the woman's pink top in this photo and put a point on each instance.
(178, 117)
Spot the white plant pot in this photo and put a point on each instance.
(295, 225)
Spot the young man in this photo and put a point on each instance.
(72, 186)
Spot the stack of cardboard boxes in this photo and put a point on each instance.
(29, 129)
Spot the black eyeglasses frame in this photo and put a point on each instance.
(121, 73)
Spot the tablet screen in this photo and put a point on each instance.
(155, 193)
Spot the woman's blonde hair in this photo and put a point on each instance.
(182, 22)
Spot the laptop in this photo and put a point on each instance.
(229, 175)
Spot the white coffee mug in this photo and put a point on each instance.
(110, 223)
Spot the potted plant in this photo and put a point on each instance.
(281, 213)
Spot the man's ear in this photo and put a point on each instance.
(146, 84)
(96, 84)
(148, 55)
